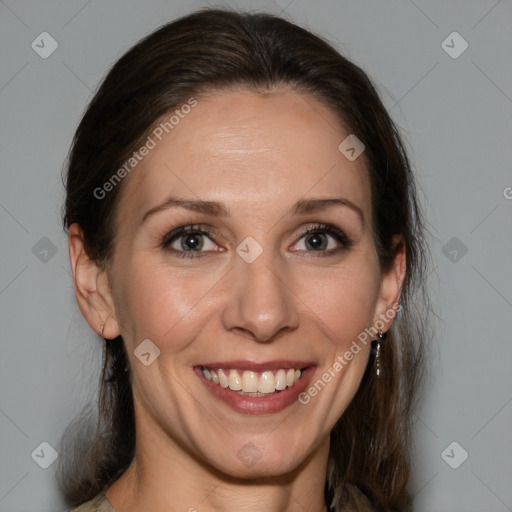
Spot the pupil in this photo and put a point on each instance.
(316, 241)
(192, 242)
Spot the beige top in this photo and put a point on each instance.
(358, 502)
(99, 503)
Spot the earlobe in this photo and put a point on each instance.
(391, 285)
(91, 286)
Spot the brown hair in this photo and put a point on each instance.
(221, 49)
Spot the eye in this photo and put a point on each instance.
(324, 239)
(193, 241)
(186, 240)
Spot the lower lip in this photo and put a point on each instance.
(272, 404)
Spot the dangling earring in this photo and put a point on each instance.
(381, 336)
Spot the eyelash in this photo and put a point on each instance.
(180, 232)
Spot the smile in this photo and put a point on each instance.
(256, 388)
(252, 383)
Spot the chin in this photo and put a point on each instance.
(251, 462)
(261, 469)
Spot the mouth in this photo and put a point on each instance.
(250, 383)
(256, 388)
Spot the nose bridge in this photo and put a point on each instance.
(260, 302)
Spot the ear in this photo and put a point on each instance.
(92, 288)
(391, 287)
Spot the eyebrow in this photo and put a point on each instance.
(216, 209)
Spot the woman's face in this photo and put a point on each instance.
(243, 297)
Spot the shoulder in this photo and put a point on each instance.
(99, 503)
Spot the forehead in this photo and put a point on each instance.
(250, 149)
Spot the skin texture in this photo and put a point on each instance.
(258, 154)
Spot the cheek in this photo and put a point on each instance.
(157, 302)
(342, 301)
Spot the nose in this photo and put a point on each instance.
(261, 302)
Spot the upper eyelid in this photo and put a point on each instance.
(197, 227)
(321, 226)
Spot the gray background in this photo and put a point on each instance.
(456, 114)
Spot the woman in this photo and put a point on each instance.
(245, 235)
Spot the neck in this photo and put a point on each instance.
(163, 478)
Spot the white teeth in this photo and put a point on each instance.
(250, 382)
(223, 380)
(280, 380)
(267, 383)
(234, 381)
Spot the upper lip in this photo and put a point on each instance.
(258, 367)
